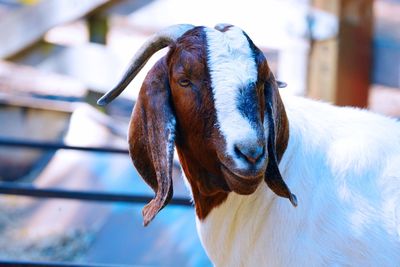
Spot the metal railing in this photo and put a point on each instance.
(12, 142)
(20, 189)
(52, 264)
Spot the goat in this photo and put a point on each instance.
(214, 98)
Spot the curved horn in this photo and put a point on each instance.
(155, 43)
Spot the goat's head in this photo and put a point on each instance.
(215, 98)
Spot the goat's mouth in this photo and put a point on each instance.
(240, 184)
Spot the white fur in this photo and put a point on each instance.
(344, 166)
(231, 66)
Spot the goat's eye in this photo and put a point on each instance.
(184, 82)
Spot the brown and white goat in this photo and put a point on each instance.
(214, 98)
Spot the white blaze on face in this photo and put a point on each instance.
(232, 66)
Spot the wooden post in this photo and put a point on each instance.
(98, 27)
(24, 27)
(339, 70)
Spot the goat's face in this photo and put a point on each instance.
(214, 97)
(217, 86)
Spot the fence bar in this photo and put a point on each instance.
(4, 141)
(6, 263)
(19, 189)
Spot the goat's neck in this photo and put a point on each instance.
(206, 191)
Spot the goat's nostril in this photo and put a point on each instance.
(250, 153)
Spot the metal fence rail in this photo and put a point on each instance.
(12, 188)
(51, 264)
(11, 142)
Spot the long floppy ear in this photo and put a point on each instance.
(151, 138)
(278, 135)
(152, 127)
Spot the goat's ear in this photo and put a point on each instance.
(152, 136)
(276, 121)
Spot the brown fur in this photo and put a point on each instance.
(196, 117)
(266, 77)
(176, 101)
(151, 138)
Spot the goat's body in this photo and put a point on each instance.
(344, 166)
(215, 98)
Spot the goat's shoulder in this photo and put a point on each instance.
(344, 165)
(344, 143)
(349, 134)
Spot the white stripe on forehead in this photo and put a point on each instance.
(232, 66)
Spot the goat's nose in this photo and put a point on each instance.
(250, 153)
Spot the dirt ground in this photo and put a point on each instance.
(17, 244)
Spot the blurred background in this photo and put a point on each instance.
(58, 56)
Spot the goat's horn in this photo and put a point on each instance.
(222, 27)
(281, 84)
(155, 43)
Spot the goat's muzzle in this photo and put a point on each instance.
(240, 183)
